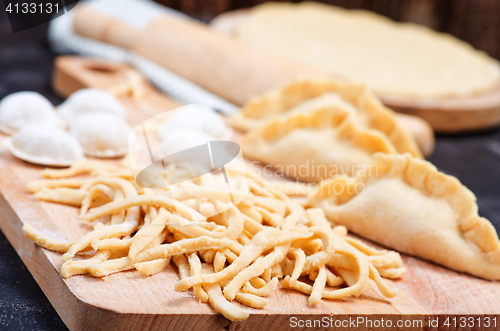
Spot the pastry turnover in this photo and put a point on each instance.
(315, 145)
(407, 204)
(306, 96)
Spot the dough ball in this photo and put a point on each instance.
(45, 145)
(182, 139)
(20, 109)
(212, 123)
(89, 100)
(102, 134)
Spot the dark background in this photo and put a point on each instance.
(26, 64)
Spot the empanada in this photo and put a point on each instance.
(316, 145)
(408, 205)
(307, 95)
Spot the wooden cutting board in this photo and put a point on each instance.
(445, 115)
(131, 301)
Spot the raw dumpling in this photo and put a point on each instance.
(191, 163)
(306, 96)
(20, 109)
(316, 145)
(182, 139)
(45, 145)
(89, 100)
(212, 123)
(102, 134)
(407, 204)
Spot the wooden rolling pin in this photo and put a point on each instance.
(216, 62)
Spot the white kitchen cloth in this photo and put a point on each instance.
(137, 13)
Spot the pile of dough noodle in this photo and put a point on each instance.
(238, 254)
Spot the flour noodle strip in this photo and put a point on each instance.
(223, 251)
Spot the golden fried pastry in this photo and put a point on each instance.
(407, 204)
(316, 145)
(307, 96)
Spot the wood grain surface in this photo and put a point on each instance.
(130, 301)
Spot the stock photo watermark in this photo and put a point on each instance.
(170, 161)
(286, 174)
(412, 322)
(178, 156)
(26, 14)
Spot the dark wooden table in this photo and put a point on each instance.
(26, 64)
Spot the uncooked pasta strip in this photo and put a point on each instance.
(71, 268)
(105, 232)
(157, 200)
(262, 241)
(63, 195)
(45, 241)
(263, 291)
(220, 304)
(256, 269)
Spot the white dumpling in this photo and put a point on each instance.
(45, 145)
(182, 139)
(211, 122)
(20, 109)
(89, 100)
(102, 134)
